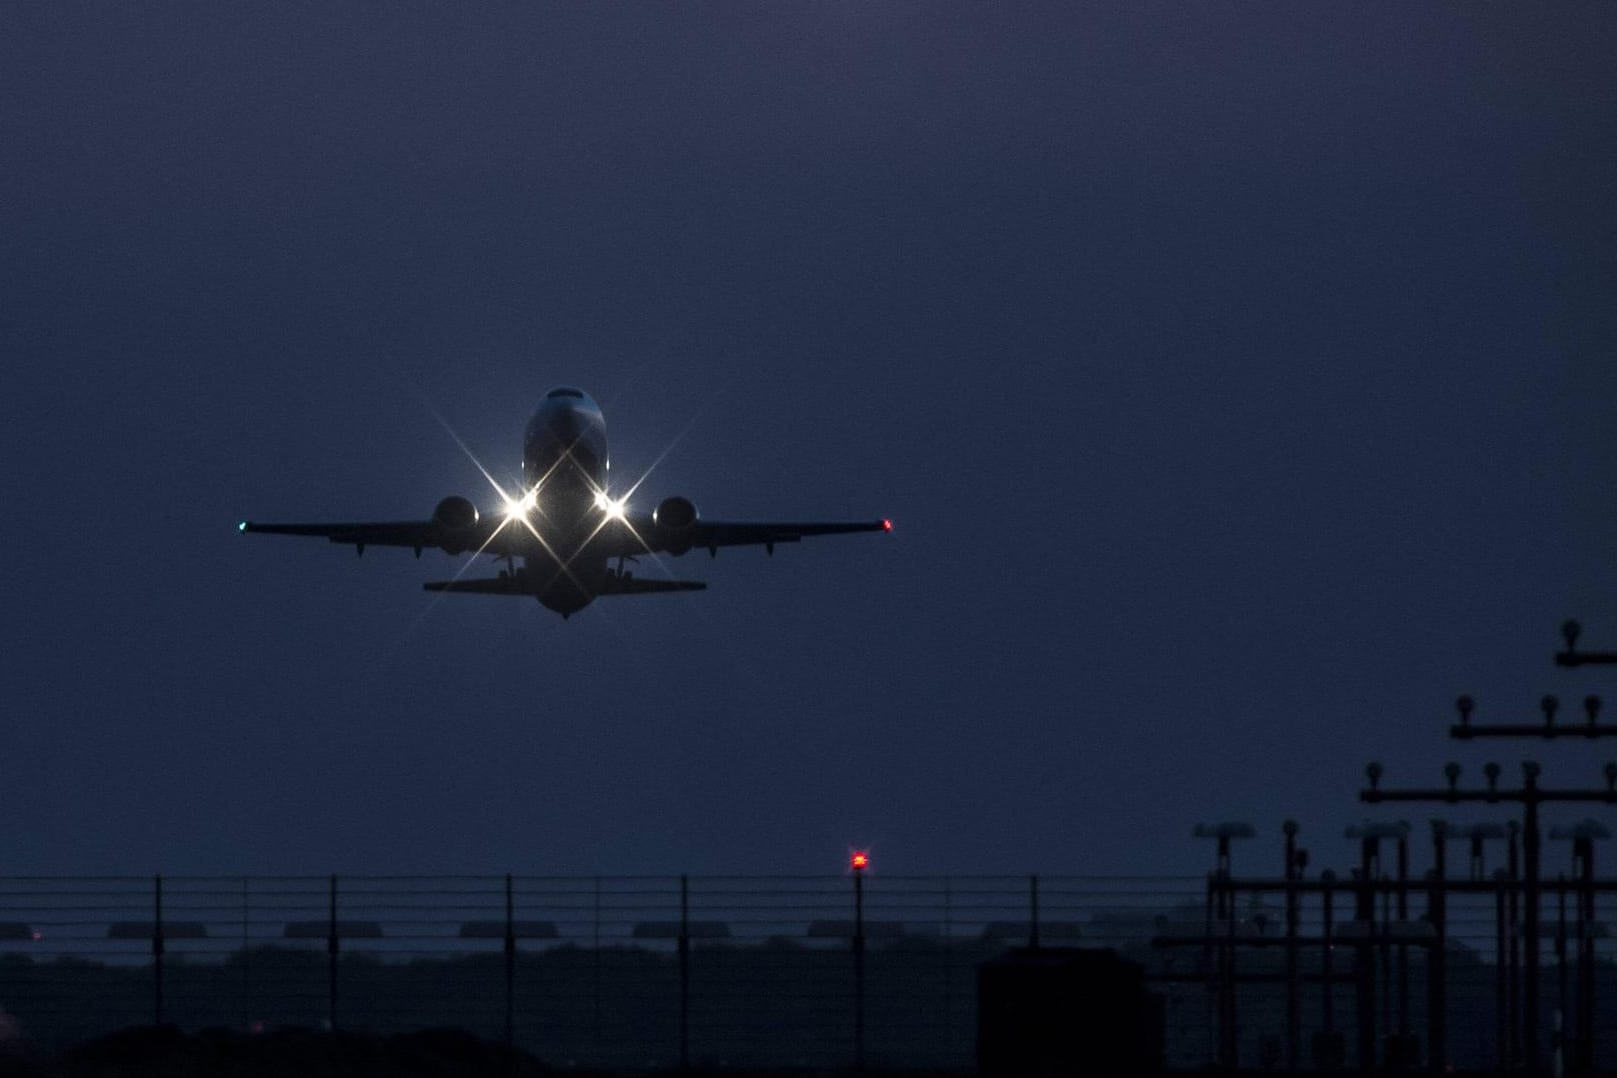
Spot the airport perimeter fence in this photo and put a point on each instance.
(631, 972)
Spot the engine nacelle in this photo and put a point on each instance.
(455, 513)
(675, 517)
(454, 516)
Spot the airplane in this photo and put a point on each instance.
(565, 525)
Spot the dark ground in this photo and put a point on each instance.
(450, 1053)
(164, 1050)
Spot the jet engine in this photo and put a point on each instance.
(675, 517)
(454, 515)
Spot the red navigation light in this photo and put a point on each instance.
(886, 525)
(859, 861)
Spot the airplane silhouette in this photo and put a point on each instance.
(564, 525)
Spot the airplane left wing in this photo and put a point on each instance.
(490, 536)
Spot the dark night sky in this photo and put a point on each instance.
(1240, 378)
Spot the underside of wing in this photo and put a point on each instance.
(643, 535)
(495, 537)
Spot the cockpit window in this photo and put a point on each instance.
(565, 392)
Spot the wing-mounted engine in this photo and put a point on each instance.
(676, 518)
(454, 520)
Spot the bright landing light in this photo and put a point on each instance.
(516, 507)
(612, 507)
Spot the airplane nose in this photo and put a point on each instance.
(567, 426)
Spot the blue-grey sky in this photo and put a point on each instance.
(1239, 378)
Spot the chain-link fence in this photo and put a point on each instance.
(624, 972)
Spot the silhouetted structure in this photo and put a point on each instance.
(1066, 1010)
(1385, 940)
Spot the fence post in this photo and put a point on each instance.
(1327, 957)
(859, 968)
(1586, 954)
(1437, 957)
(246, 969)
(1513, 922)
(1558, 1036)
(1502, 972)
(510, 967)
(1364, 953)
(331, 959)
(948, 969)
(1293, 975)
(596, 1006)
(1033, 910)
(157, 950)
(1232, 1029)
(1403, 952)
(684, 972)
(1211, 960)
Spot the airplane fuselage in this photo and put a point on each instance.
(564, 484)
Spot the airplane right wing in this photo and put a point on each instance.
(642, 535)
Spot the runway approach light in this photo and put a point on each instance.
(859, 861)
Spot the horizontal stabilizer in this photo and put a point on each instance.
(610, 584)
(613, 584)
(501, 585)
